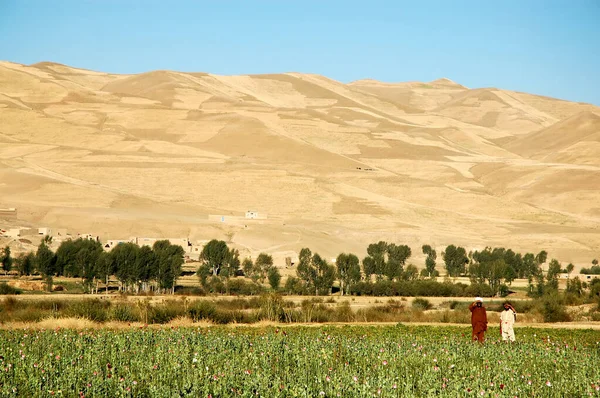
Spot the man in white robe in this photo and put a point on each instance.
(507, 322)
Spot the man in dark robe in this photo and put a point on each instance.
(478, 319)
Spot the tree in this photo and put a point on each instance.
(45, 261)
(274, 278)
(233, 264)
(552, 275)
(65, 258)
(348, 270)
(455, 259)
(396, 258)
(429, 260)
(510, 275)
(315, 271)
(247, 267)
(77, 258)
(376, 252)
(124, 256)
(411, 273)
(541, 257)
(261, 267)
(146, 268)
(169, 260)
(368, 265)
(7, 260)
(570, 268)
(495, 273)
(594, 262)
(105, 267)
(491, 265)
(25, 263)
(214, 256)
(574, 286)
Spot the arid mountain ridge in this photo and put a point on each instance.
(331, 166)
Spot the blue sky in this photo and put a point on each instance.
(543, 47)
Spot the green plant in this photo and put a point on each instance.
(5, 288)
(421, 304)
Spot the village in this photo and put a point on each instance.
(27, 238)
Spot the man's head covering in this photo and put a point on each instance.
(479, 299)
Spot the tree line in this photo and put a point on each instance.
(137, 268)
(157, 268)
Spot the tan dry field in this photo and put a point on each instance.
(333, 166)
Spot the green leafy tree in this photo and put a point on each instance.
(7, 260)
(306, 270)
(170, 260)
(348, 270)
(261, 268)
(410, 273)
(214, 256)
(25, 263)
(429, 260)
(496, 270)
(368, 264)
(233, 264)
(146, 268)
(45, 261)
(105, 267)
(455, 259)
(570, 268)
(248, 268)
(65, 258)
(554, 269)
(396, 258)
(510, 275)
(575, 287)
(541, 257)
(315, 272)
(77, 258)
(489, 265)
(377, 264)
(594, 262)
(124, 256)
(274, 278)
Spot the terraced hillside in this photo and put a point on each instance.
(332, 166)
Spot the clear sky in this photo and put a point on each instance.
(544, 47)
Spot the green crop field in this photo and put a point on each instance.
(296, 361)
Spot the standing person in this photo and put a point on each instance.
(507, 321)
(478, 319)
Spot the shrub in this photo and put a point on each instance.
(503, 290)
(165, 312)
(5, 288)
(29, 315)
(553, 310)
(593, 270)
(190, 291)
(343, 313)
(92, 309)
(295, 286)
(271, 307)
(244, 288)
(10, 303)
(421, 304)
(202, 309)
(524, 306)
(124, 313)
(479, 289)
(457, 305)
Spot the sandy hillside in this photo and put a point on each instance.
(332, 166)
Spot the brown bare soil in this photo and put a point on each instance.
(329, 166)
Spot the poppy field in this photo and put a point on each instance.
(326, 361)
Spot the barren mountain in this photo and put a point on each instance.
(326, 165)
